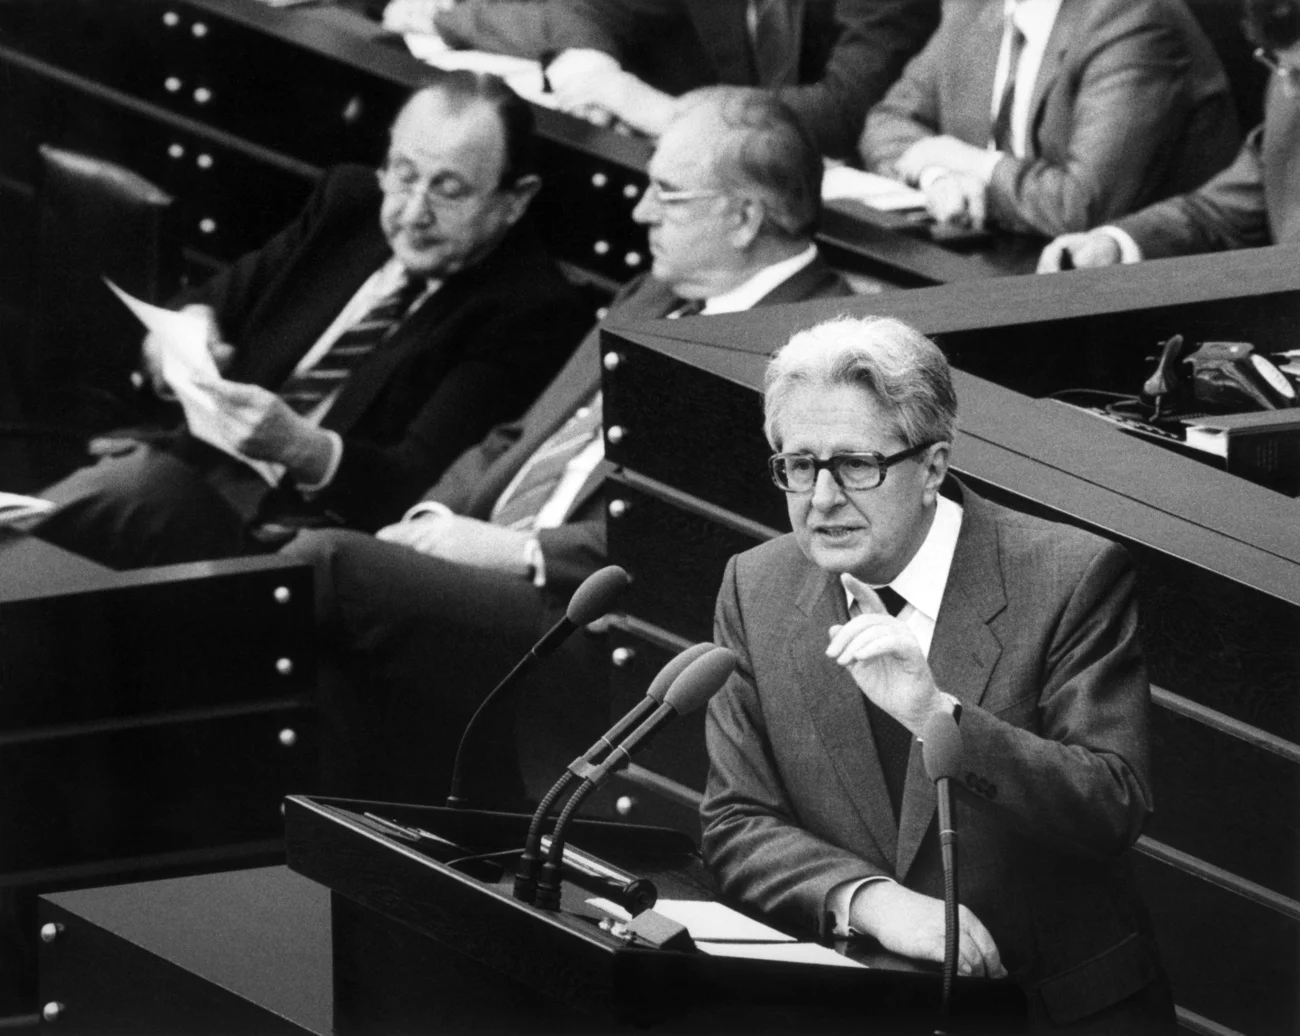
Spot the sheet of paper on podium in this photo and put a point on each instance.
(723, 932)
(189, 369)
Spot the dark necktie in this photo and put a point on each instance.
(542, 472)
(304, 391)
(774, 31)
(893, 740)
(1001, 135)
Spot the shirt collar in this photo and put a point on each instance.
(1034, 18)
(747, 295)
(924, 579)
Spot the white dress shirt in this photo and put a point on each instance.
(921, 584)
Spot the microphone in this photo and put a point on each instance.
(525, 879)
(596, 596)
(941, 753)
(698, 682)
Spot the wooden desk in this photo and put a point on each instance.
(237, 952)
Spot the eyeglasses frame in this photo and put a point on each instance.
(882, 463)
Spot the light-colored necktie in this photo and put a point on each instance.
(1001, 134)
(543, 471)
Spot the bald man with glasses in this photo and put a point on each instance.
(362, 348)
(417, 621)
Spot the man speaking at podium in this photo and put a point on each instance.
(901, 593)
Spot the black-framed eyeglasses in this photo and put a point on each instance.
(797, 472)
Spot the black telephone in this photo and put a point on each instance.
(1216, 377)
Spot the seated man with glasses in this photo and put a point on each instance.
(419, 622)
(900, 594)
(363, 348)
(1255, 201)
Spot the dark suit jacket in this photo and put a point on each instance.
(475, 353)
(575, 549)
(1037, 635)
(1255, 201)
(1131, 104)
(851, 50)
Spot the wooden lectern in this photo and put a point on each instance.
(428, 937)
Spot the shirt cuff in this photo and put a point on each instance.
(536, 562)
(1129, 250)
(331, 469)
(425, 507)
(839, 903)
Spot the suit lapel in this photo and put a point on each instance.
(1064, 30)
(971, 78)
(834, 703)
(962, 655)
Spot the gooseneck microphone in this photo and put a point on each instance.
(596, 596)
(525, 871)
(941, 753)
(698, 682)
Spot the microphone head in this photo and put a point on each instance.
(597, 595)
(941, 746)
(701, 680)
(670, 672)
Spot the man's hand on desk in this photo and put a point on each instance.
(911, 924)
(886, 661)
(1079, 252)
(593, 85)
(957, 198)
(221, 352)
(263, 426)
(944, 152)
(465, 541)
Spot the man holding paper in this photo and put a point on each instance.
(350, 359)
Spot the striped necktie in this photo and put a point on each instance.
(542, 472)
(893, 740)
(1001, 134)
(304, 391)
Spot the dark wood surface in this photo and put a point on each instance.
(244, 951)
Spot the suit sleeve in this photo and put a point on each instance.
(1068, 767)
(460, 481)
(1228, 211)
(909, 112)
(873, 41)
(236, 291)
(1131, 106)
(753, 840)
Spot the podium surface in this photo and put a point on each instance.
(420, 944)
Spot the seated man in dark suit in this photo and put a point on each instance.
(365, 346)
(900, 594)
(830, 60)
(1255, 201)
(1054, 115)
(419, 622)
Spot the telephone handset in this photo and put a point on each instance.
(1232, 376)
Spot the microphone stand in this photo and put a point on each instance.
(941, 752)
